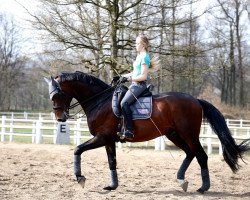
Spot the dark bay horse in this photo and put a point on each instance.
(178, 116)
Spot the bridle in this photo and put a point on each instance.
(66, 109)
(55, 89)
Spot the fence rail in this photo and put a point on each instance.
(42, 128)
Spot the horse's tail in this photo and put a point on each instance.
(231, 151)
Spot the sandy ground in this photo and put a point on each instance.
(29, 171)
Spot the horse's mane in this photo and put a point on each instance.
(83, 77)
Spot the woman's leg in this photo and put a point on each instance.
(130, 97)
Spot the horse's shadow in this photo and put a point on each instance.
(178, 193)
(184, 194)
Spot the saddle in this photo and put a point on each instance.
(141, 109)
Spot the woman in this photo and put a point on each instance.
(138, 77)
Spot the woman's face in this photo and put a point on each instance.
(139, 45)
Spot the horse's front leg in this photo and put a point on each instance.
(111, 153)
(93, 143)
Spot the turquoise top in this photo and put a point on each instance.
(141, 59)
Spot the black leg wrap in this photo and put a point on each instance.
(114, 181)
(183, 168)
(77, 165)
(205, 181)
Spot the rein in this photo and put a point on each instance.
(84, 102)
(90, 98)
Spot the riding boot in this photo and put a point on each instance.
(127, 114)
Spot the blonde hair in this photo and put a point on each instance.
(144, 41)
(154, 62)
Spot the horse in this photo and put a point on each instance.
(176, 115)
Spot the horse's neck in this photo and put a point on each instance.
(90, 100)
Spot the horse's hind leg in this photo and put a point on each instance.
(192, 148)
(202, 160)
(201, 156)
(182, 170)
(178, 141)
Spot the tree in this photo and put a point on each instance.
(233, 41)
(11, 63)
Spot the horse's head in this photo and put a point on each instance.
(61, 100)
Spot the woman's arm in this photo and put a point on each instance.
(127, 75)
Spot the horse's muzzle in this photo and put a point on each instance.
(61, 118)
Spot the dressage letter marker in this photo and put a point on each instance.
(62, 136)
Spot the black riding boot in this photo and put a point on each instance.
(127, 114)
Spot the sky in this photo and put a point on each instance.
(13, 9)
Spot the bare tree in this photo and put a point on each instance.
(232, 17)
(11, 63)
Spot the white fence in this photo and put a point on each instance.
(42, 128)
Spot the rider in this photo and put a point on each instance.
(138, 78)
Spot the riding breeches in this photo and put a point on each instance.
(134, 90)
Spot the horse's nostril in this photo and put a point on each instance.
(61, 119)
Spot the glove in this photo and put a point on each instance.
(115, 78)
(123, 79)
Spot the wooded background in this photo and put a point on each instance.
(201, 47)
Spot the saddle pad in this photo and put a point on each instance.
(141, 109)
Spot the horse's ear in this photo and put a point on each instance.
(55, 83)
(48, 80)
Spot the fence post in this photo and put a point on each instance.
(33, 131)
(62, 133)
(52, 115)
(11, 130)
(209, 140)
(38, 132)
(54, 132)
(158, 143)
(235, 133)
(25, 115)
(241, 123)
(75, 133)
(78, 132)
(220, 149)
(163, 144)
(3, 128)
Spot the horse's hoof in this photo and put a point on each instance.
(109, 188)
(81, 180)
(201, 191)
(183, 184)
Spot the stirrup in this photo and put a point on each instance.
(120, 134)
(128, 135)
